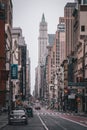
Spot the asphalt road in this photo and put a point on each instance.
(50, 120)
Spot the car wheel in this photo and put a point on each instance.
(9, 123)
(26, 122)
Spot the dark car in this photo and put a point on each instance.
(37, 107)
(29, 111)
(17, 116)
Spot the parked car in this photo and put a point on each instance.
(29, 111)
(18, 116)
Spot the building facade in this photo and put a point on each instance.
(69, 20)
(2, 56)
(7, 21)
(28, 76)
(80, 49)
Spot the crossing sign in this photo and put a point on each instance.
(76, 84)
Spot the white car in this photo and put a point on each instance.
(18, 116)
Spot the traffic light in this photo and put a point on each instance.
(65, 91)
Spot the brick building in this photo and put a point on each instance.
(2, 54)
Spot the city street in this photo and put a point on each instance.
(43, 65)
(51, 120)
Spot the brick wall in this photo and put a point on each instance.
(2, 57)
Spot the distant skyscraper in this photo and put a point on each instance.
(61, 45)
(69, 21)
(42, 41)
(51, 38)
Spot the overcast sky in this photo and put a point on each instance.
(27, 14)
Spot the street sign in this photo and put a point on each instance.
(14, 71)
(71, 96)
(76, 84)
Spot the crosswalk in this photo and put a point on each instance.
(48, 113)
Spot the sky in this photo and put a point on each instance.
(27, 15)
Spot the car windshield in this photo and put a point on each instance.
(18, 112)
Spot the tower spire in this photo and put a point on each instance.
(43, 18)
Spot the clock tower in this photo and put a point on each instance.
(42, 41)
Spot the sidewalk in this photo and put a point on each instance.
(3, 120)
(81, 114)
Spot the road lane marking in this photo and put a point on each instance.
(58, 124)
(43, 123)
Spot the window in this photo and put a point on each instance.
(82, 28)
(79, 1)
(84, 1)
